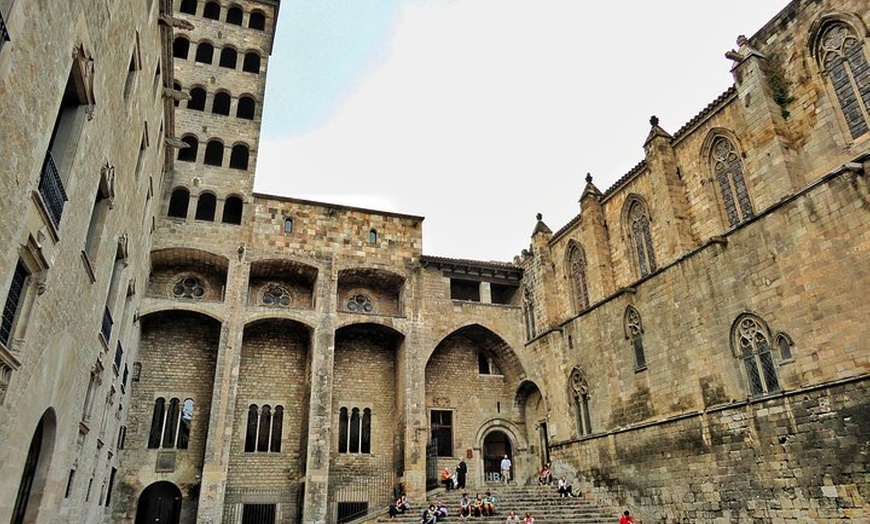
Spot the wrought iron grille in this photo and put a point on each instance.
(13, 301)
(51, 189)
(354, 497)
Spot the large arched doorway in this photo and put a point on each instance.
(36, 464)
(160, 502)
(495, 446)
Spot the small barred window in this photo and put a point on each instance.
(360, 304)
(188, 287)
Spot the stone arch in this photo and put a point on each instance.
(168, 264)
(531, 407)
(485, 465)
(34, 474)
(159, 502)
(297, 277)
(384, 289)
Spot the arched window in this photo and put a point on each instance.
(232, 210)
(246, 108)
(580, 399)
(178, 203)
(234, 15)
(360, 304)
(188, 6)
(205, 206)
(239, 157)
(784, 344)
(221, 103)
(251, 63)
(288, 225)
(728, 170)
(750, 340)
(229, 58)
(170, 424)
(633, 328)
(204, 53)
(212, 11)
(264, 429)
(197, 99)
(180, 47)
(641, 236)
(840, 52)
(373, 236)
(577, 276)
(188, 154)
(257, 20)
(214, 153)
(354, 430)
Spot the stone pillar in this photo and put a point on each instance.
(223, 400)
(320, 414)
(485, 293)
(416, 416)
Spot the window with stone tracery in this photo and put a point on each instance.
(264, 429)
(641, 237)
(188, 287)
(633, 327)
(580, 401)
(750, 339)
(728, 170)
(841, 55)
(170, 424)
(276, 296)
(577, 275)
(360, 304)
(355, 430)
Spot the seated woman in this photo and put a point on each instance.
(488, 504)
(564, 488)
(428, 516)
(440, 511)
(545, 476)
(400, 506)
(477, 506)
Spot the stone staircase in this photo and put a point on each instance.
(544, 503)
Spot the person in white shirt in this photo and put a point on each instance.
(506, 469)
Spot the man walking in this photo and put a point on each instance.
(506, 469)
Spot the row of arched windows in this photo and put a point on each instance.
(234, 14)
(214, 153)
(221, 103)
(205, 51)
(206, 206)
(264, 429)
(170, 424)
(354, 430)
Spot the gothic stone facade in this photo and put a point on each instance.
(692, 345)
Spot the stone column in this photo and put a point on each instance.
(223, 400)
(485, 293)
(320, 414)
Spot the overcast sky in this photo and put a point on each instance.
(478, 114)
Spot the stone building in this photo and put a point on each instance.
(176, 347)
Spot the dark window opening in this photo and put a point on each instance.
(14, 299)
(251, 63)
(348, 511)
(214, 153)
(354, 430)
(178, 203)
(234, 15)
(181, 48)
(212, 11)
(188, 6)
(204, 53)
(176, 86)
(258, 514)
(246, 108)
(464, 290)
(232, 211)
(188, 154)
(197, 99)
(502, 294)
(257, 21)
(264, 429)
(229, 58)
(205, 207)
(441, 423)
(239, 157)
(170, 426)
(221, 104)
(483, 364)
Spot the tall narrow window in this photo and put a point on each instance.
(441, 424)
(229, 58)
(14, 301)
(373, 236)
(132, 69)
(354, 430)
(197, 99)
(232, 210)
(178, 203)
(102, 204)
(239, 157)
(784, 344)
(750, 340)
(841, 55)
(170, 424)
(633, 328)
(264, 429)
(577, 275)
(728, 170)
(641, 236)
(580, 397)
(188, 154)
(288, 225)
(251, 64)
(205, 207)
(246, 107)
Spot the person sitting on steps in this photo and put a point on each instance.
(488, 504)
(564, 488)
(545, 477)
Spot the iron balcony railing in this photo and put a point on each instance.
(106, 329)
(4, 33)
(51, 189)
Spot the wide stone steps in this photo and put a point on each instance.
(544, 503)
